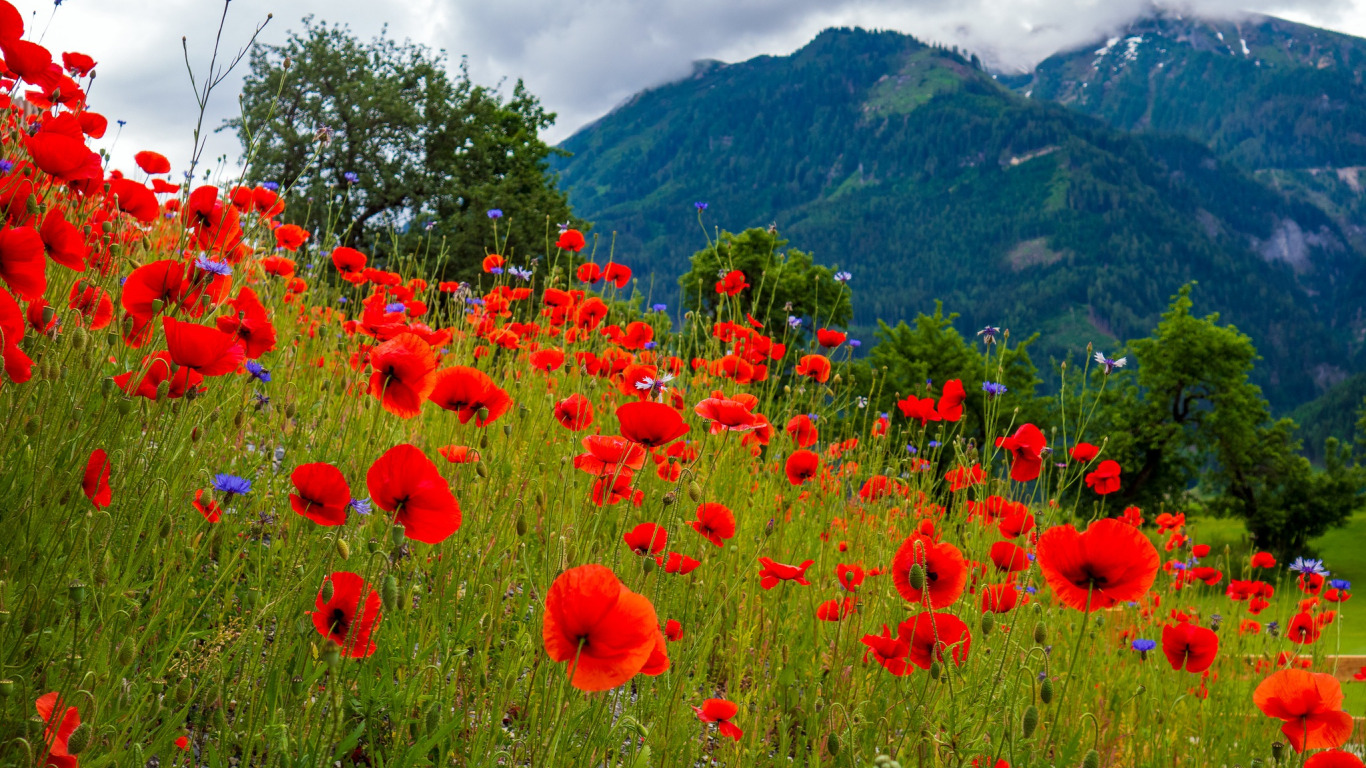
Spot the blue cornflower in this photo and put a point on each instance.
(1305, 565)
(216, 267)
(1341, 584)
(934, 444)
(342, 300)
(794, 322)
(1109, 363)
(495, 270)
(1143, 646)
(429, 225)
(659, 307)
(993, 389)
(125, 122)
(650, 345)
(273, 186)
(855, 343)
(257, 371)
(701, 206)
(394, 307)
(474, 300)
(6, 166)
(911, 449)
(362, 506)
(495, 213)
(524, 274)
(231, 484)
(351, 177)
(988, 334)
(813, 417)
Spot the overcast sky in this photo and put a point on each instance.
(581, 57)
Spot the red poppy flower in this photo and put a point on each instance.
(1303, 629)
(801, 466)
(1189, 647)
(616, 274)
(673, 630)
(589, 272)
(1310, 703)
(59, 722)
(1026, 450)
(650, 424)
(677, 562)
(78, 64)
(64, 243)
(849, 576)
(458, 454)
(290, 236)
(964, 477)
(1016, 522)
(23, 266)
(814, 367)
(402, 378)
(802, 430)
(1009, 557)
(889, 651)
(605, 632)
(1109, 563)
(155, 369)
(919, 409)
(929, 635)
(715, 522)
(1084, 452)
(615, 488)
(466, 391)
(946, 573)
(727, 415)
(950, 405)
(204, 350)
(1105, 479)
(404, 481)
(829, 338)
(211, 511)
(95, 483)
(348, 261)
(609, 455)
(720, 711)
(1000, 598)
(1333, 758)
(549, 359)
(152, 162)
(135, 199)
(834, 610)
(571, 240)
(321, 493)
(574, 412)
(732, 283)
(646, 539)
(183, 742)
(491, 262)
(345, 619)
(770, 573)
(1263, 560)
(18, 366)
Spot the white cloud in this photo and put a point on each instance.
(580, 57)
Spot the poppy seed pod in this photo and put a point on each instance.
(157, 306)
(396, 534)
(1046, 690)
(1030, 721)
(916, 577)
(507, 430)
(79, 739)
(1277, 750)
(6, 689)
(388, 592)
(77, 593)
(648, 563)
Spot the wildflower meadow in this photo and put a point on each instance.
(269, 500)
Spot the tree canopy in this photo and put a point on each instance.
(377, 144)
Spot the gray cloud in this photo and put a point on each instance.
(581, 58)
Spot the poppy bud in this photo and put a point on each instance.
(396, 534)
(343, 549)
(433, 719)
(832, 743)
(540, 497)
(1030, 721)
(1040, 633)
(1277, 750)
(78, 338)
(1046, 690)
(1092, 759)
(163, 390)
(125, 653)
(988, 622)
(935, 670)
(303, 626)
(184, 691)
(79, 739)
(483, 438)
(252, 597)
(669, 499)
(331, 657)
(236, 418)
(388, 592)
(111, 338)
(481, 469)
(107, 226)
(521, 525)
(916, 577)
(694, 491)
(32, 205)
(157, 305)
(32, 426)
(326, 592)
(837, 379)
(290, 410)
